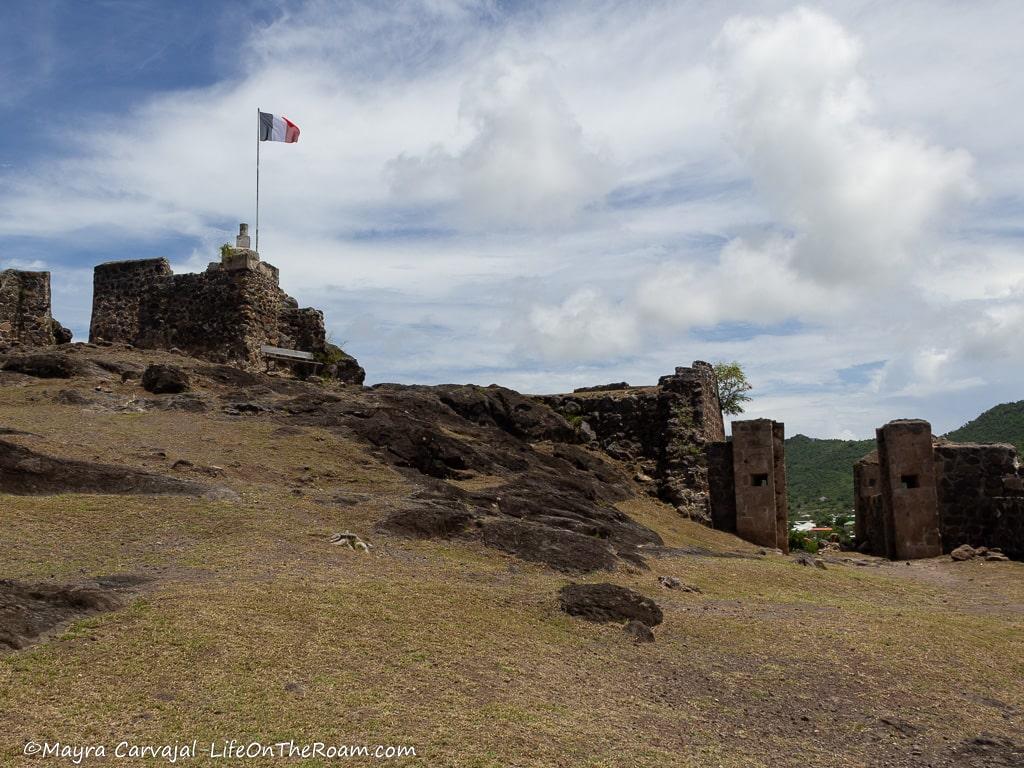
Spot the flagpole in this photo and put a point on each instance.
(258, 128)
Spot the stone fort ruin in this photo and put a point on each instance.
(659, 431)
(25, 315)
(225, 314)
(918, 496)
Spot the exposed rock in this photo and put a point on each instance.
(29, 610)
(640, 632)
(72, 397)
(963, 552)
(428, 522)
(46, 365)
(342, 366)
(562, 550)
(27, 473)
(61, 335)
(608, 602)
(671, 582)
(165, 379)
(507, 410)
(603, 387)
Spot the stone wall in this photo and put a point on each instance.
(867, 501)
(977, 496)
(25, 317)
(747, 477)
(980, 497)
(661, 431)
(224, 314)
(721, 486)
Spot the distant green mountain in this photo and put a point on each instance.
(1002, 424)
(819, 473)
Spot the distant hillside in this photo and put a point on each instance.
(1002, 424)
(822, 469)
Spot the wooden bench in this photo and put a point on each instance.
(289, 356)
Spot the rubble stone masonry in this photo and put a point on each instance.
(224, 314)
(25, 317)
(662, 431)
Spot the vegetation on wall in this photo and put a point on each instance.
(732, 387)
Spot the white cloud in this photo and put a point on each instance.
(528, 163)
(585, 326)
(861, 199)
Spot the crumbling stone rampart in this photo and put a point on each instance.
(25, 317)
(976, 495)
(224, 314)
(661, 430)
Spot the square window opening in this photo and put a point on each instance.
(909, 481)
(759, 480)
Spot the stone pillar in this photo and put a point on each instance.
(910, 507)
(755, 470)
(242, 241)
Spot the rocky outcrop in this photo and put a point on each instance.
(165, 379)
(608, 603)
(546, 501)
(24, 472)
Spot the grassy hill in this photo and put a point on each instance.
(232, 615)
(819, 473)
(1002, 424)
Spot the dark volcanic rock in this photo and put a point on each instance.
(552, 503)
(608, 602)
(165, 379)
(72, 397)
(428, 522)
(46, 365)
(29, 610)
(560, 549)
(516, 414)
(61, 335)
(639, 631)
(26, 473)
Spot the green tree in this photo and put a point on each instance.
(732, 387)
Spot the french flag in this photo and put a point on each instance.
(277, 128)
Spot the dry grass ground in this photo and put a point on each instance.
(255, 627)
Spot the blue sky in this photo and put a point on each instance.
(553, 195)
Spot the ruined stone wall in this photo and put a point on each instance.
(119, 289)
(869, 528)
(662, 431)
(721, 486)
(224, 314)
(25, 317)
(980, 497)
